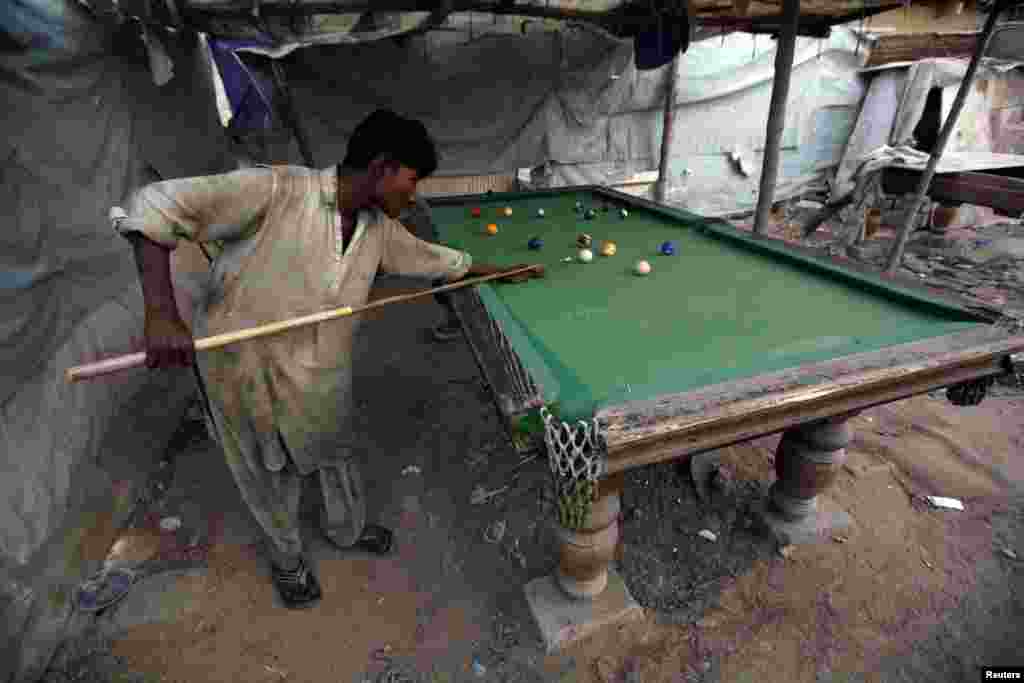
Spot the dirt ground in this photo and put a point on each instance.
(907, 593)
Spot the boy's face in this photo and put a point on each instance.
(395, 187)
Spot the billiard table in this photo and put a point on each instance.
(731, 338)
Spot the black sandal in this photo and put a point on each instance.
(376, 539)
(297, 587)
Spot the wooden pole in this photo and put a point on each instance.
(291, 116)
(896, 256)
(668, 128)
(785, 52)
(134, 360)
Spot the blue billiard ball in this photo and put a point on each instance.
(535, 244)
(668, 248)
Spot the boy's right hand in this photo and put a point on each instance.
(169, 341)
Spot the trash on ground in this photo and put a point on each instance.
(411, 469)
(478, 668)
(481, 495)
(948, 503)
(495, 532)
(170, 523)
(707, 535)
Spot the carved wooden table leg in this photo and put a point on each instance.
(807, 463)
(584, 594)
(585, 554)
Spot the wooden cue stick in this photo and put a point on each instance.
(134, 360)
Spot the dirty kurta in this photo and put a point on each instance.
(282, 257)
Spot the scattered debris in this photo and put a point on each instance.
(947, 503)
(927, 563)
(1009, 553)
(277, 672)
(170, 523)
(478, 668)
(411, 469)
(840, 539)
(481, 495)
(495, 531)
(707, 535)
(786, 551)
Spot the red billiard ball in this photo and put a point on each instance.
(476, 213)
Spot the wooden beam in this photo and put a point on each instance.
(200, 13)
(668, 128)
(896, 256)
(784, 55)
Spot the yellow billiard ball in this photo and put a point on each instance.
(608, 249)
(508, 210)
(492, 229)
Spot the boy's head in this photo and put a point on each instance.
(394, 153)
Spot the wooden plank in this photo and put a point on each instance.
(910, 48)
(999, 192)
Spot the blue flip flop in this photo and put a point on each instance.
(105, 588)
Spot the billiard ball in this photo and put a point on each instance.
(642, 268)
(586, 256)
(508, 210)
(476, 213)
(579, 206)
(590, 214)
(492, 229)
(540, 212)
(608, 249)
(668, 248)
(584, 241)
(624, 213)
(535, 244)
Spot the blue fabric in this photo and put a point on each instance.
(36, 24)
(250, 93)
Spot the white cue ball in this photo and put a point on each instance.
(586, 256)
(624, 213)
(642, 268)
(540, 212)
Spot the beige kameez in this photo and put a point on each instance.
(280, 406)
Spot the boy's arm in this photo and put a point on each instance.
(226, 207)
(406, 254)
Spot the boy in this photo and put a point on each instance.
(296, 241)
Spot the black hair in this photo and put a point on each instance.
(386, 133)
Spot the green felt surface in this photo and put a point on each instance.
(596, 334)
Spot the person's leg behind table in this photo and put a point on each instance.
(274, 498)
(420, 221)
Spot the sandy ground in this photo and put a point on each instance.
(908, 592)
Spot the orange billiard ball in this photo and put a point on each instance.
(492, 229)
